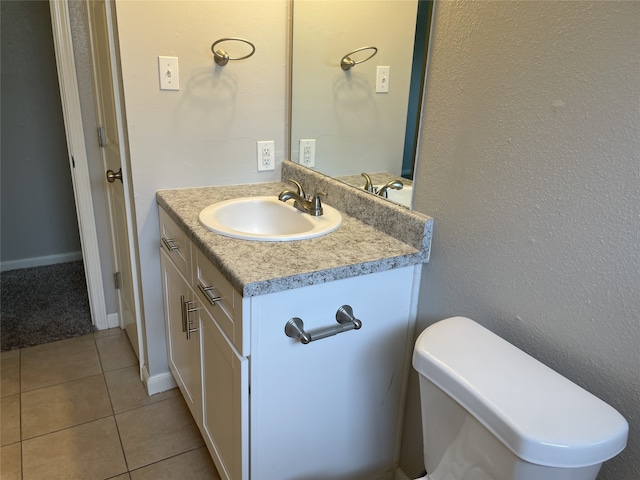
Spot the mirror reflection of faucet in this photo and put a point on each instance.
(311, 204)
(394, 184)
(382, 191)
(368, 185)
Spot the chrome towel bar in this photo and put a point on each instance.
(294, 328)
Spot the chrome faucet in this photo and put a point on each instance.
(311, 205)
(382, 191)
(394, 184)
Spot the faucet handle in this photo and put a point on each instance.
(299, 187)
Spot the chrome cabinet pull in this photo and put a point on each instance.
(186, 307)
(183, 313)
(208, 294)
(170, 244)
(294, 328)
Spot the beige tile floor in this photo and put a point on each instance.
(76, 409)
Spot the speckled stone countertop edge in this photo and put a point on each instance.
(328, 275)
(354, 249)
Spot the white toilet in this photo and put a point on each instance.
(492, 412)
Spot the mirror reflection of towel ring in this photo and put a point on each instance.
(221, 57)
(346, 63)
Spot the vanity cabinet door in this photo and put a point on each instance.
(183, 352)
(330, 408)
(225, 385)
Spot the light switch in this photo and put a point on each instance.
(382, 79)
(168, 73)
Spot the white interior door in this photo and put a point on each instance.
(113, 152)
(70, 97)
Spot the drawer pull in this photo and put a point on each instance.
(208, 294)
(294, 328)
(170, 244)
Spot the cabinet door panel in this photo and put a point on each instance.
(183, 353)
(331, 408)
(225, 421)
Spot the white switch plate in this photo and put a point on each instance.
(382, 79)
(266, 155)
(168, 73)
(307, 153)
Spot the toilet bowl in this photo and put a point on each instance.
(492, 412)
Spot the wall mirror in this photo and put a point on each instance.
(362, 116)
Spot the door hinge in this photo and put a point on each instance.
(73, 162)
(101, 139)
(117, 280)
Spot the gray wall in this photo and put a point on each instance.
(530, 164)
(38, 210)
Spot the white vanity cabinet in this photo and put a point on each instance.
(225, 371)
(330, 409)
(273, 408)
(183, 349)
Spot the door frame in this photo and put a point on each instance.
(79, 164)
(128, 256)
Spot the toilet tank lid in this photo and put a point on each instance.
(541, 416)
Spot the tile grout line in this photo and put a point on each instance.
(113, 414)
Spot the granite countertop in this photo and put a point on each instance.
(255, 268)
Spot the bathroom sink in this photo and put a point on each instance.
(266, 219)
(402, 197)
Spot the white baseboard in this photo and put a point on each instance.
(40, 261)
(112, 320)
(157, 383)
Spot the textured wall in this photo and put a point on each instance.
(530, 165)
(38, 210)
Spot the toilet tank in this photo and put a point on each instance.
(538, 415)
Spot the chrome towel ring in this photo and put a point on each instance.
(221, 57)
(346, 63)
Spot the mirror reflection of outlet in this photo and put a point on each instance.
(307, 153)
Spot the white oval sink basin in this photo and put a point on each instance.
(267, 219)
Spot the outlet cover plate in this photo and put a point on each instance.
(266, 155)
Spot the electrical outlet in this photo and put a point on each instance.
(307, 154)
(266, 155)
